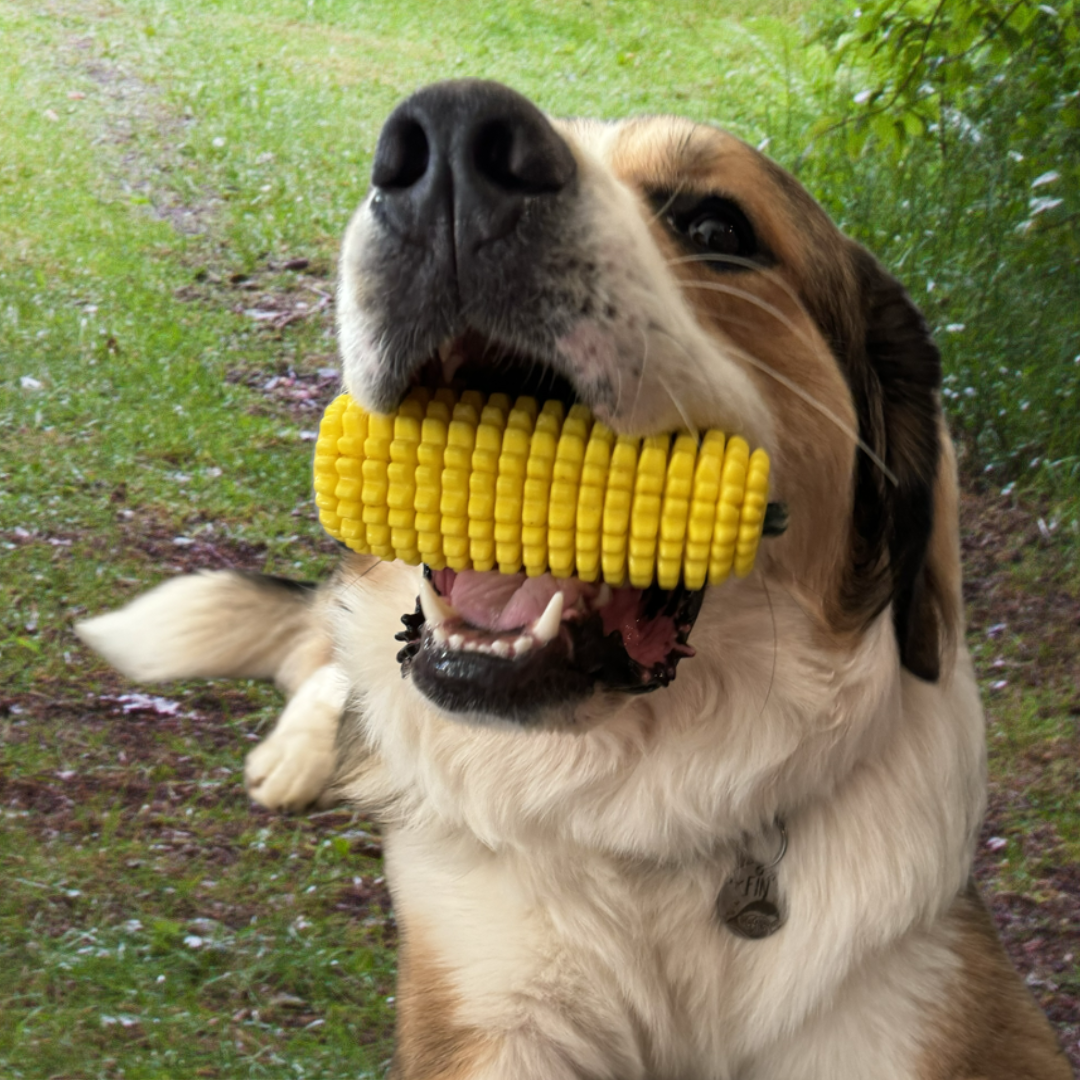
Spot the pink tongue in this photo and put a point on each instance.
(489, 600)
(498, 603)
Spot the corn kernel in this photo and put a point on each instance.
(678, 487)
(429, 458)
(457, 464)
(645, 512)
(485, 468)
(726, 527)
(590, 505)
(618, 501)
(510, 484)
(536, 490)
(565, 482)
(752, 514)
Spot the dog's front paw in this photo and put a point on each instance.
(295, 764)
(289, 771)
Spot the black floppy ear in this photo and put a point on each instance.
(896, 383)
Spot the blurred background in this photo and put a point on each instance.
(174, 181)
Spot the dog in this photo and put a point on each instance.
(573, 845)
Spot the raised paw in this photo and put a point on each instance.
(294, 765)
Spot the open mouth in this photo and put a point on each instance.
(510, 645)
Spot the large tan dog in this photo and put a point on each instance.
(570, 856)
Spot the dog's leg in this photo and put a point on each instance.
(224, 624)
(438, 1039)
(489, 987)
(295, 763)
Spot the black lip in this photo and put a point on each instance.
(580, 659)
(470, 682)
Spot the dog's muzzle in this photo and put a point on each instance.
(472, 194)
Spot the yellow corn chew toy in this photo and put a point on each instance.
(474, 483)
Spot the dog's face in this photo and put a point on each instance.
(671, 278)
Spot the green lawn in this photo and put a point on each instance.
(174, 180)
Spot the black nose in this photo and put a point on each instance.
(458, 162)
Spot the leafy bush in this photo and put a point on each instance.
(953, 128)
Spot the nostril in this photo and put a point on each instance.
(516, 159)
(492, 152)
(401, 158)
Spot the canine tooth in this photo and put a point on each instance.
(603, 596)
(501, 648)
(522, 645)
(456, 641)
(436, 610)
(547, 626)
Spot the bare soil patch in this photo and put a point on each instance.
(1029, 630)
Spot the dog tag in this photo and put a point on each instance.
(750, 903)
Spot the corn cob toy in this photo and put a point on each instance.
(469, 482)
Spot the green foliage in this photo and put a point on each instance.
(1004, 70)
(954, 130)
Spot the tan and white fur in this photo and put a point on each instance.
(200, 626)
(555, 884)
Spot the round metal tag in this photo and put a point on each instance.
(750, 903)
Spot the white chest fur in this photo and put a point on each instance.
(565, 883)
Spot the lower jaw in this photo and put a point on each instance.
(483, 685)
(527, 687)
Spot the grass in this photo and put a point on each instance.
(173, 184)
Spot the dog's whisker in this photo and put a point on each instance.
(763, 305)
(669, 202)
(352, 582)
(641, 373)
(775, 644)
(688, 424)
(737, 260)
(618, 394)
(825, 411)
(802, 394)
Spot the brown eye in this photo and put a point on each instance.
(712, 226)
(715, 235)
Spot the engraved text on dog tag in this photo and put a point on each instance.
(750, 903)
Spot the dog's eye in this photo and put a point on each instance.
(715, 234)
(712, 226)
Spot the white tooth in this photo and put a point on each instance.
(522, 645)
(603, 596)
(547, 626)
(456, 641)
(436, 610)
(444, 351)
(438, 635)
(501, 648)
(471, 645)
